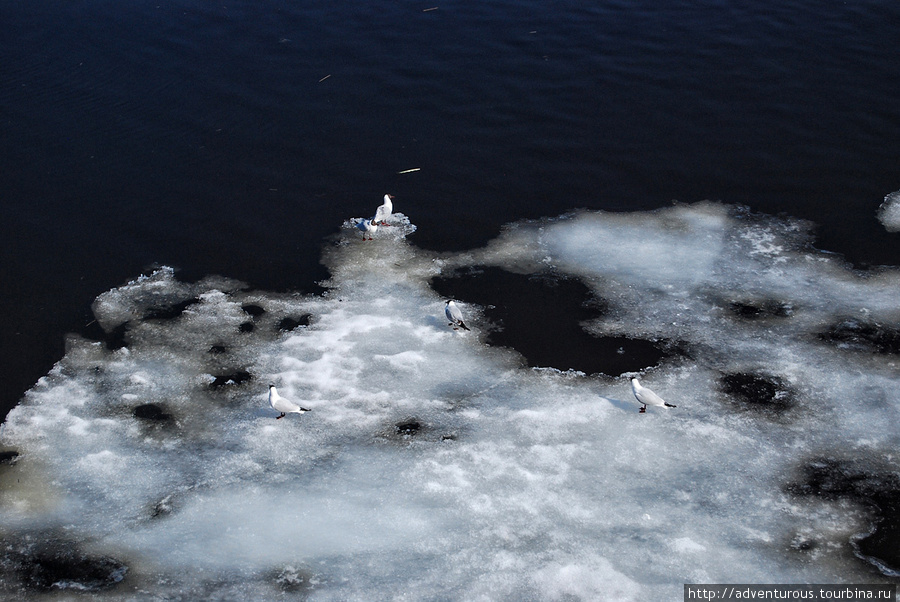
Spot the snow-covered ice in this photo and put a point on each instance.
(433, 466)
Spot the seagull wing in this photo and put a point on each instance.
(453, 313)
(283, 405)
(650, 398)
(384, 210)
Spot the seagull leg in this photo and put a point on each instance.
(642, 410)
(280, 417)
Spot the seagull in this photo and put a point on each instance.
(368, 227)
(384, 211)
(647, 397)
(454, 315)
(280, 404)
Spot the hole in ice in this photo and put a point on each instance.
(289, 323)
(253, 310)
(55, 564)
(864, 336)
(753, 310)
(168, 312)
(238, 377)
(759, 391)
(410, 426)
(114, 339)
(151, 411)
(8, 457)
(217, 349)
(525, 308)
(246, 327)
(834, 479)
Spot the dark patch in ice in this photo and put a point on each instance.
(8, 457)
(293, 580)
(246, 327)
(525, 308)
(756, 310)
(168, 312)
(857, 335)
(151, 411)
(410, 426)
(253, 310)
(832, 479)
(288, 324)
(759, 391)
(163, 507)
(804, 545)
(114, 339)
(52, 565)
(217, 349)
(238, 377)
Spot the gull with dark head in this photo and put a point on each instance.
(454, 315)
(368, 227)
(647, 397)
(280, 404)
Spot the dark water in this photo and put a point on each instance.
(233, 138)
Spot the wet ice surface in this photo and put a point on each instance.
(435, 466)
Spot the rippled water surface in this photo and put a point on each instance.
(208, 137)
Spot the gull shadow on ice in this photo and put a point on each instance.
(628, 406)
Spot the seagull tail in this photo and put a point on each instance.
(463, 326)
(669, 405)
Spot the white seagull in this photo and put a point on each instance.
(383, 213)
(368, 227)
(454, 315)
(647, 397)
(280, 404)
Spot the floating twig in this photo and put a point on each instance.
(426, 10)
(324, 78)
(409, 170)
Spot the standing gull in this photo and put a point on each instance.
(647, 397)
(280, 404)
(454, 315)
(383, 213)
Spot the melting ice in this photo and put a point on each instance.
(433, 466)
(889, 212)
